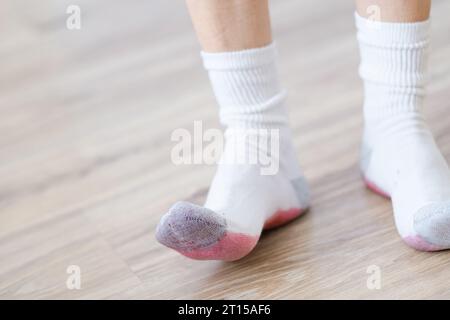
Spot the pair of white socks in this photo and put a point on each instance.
(399, 157)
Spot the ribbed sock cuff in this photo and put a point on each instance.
(247, 87)
(244, 59)
(393, 66)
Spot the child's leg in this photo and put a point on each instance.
(245, 196)
(232, 25)
(399, 155)
(396, 11)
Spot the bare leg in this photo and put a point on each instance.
(231, 25)
(396, 10)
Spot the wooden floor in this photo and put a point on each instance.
(85, 168)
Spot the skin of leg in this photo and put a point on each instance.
(231, 25)
(395, 10)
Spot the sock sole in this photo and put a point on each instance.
(282, 217)
(234, 246)
(201, 234)
(418, 243)
(374, 188)
(231, 247)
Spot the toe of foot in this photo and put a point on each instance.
(432, 225)
(187, 226)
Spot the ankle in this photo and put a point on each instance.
(393, 128)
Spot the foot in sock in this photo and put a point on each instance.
(399, 156)
(244, 198)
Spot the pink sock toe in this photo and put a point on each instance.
(232, 246)
(420, 244)
(373, 187)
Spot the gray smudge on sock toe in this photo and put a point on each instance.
(301, 188)
(187, 227)
(432, 223)
(365, 155)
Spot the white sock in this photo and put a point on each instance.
(399, 155)
(245, 196)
